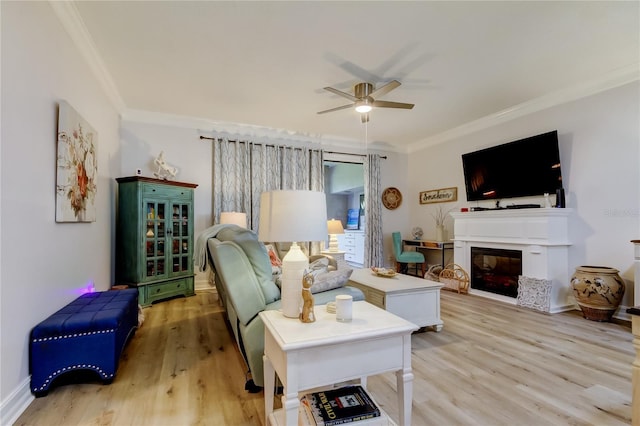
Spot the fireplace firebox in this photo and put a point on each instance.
(496, 270)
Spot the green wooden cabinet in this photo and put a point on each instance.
(154, 237)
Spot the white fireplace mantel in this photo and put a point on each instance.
(542, 234)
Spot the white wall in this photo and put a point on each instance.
(141, 143)
(44, 263)
(599, 149)
(394, 173)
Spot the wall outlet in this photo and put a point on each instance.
(138, 172)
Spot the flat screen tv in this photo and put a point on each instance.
(526, 167)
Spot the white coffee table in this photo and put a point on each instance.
(311, 355)
(412, 298)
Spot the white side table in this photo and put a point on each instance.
(307, 356)
(338, 256)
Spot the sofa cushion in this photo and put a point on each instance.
(330, 280)
(258, 258)
(241, 285)
(319, 266)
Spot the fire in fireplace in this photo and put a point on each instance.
(496, 270)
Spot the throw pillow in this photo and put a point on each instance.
(330, 280)
(319, 266)
(273, 256)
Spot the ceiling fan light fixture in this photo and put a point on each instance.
(363, 106)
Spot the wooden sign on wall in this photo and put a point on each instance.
(443, 195)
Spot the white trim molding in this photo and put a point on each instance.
(612, 80)
(221, 129)
(16, 403)
(69, 16)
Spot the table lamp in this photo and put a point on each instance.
(334, 227)
(235, 218)
(292, 216)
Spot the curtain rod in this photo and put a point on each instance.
(384, 157)
(237, 140)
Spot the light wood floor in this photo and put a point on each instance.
(492, 364)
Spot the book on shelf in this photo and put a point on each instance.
(339, 406)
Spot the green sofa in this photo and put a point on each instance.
(243, 279)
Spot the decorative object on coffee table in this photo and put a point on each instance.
(384, 272)
(534, 293)
(598, 291)
(455, 278)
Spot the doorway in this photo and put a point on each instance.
(344, 187)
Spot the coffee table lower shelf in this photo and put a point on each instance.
(277, 419)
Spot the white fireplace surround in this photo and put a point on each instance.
(541, 234)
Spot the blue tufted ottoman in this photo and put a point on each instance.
(87, 334)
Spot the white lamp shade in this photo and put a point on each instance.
(335, 227)
(235, 218)
(292, 216)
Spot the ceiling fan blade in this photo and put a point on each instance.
(364, 117)
(343, 94)
(381, 91)
(387, 104)
(336, 109)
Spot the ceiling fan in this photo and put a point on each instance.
(364, 98)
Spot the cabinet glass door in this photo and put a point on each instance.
(155, 238)
(180, 237)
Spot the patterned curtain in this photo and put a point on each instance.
(243, 170)
(266, 170)
(231, 179)
(373, 212)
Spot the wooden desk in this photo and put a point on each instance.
(431, 245)
(325, 352)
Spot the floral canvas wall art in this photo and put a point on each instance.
(77, 167)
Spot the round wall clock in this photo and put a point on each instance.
(391, 198)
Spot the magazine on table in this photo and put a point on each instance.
(339, 406)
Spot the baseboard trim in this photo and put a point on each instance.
(16, 403)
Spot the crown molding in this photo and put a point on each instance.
(71, 20)
(69, 16)
(222, 129)
(612, 80)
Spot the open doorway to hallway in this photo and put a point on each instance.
(344, 186)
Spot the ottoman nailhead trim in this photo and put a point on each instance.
(73, 367)
(68, 336)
